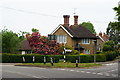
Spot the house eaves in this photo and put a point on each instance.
(63, 29)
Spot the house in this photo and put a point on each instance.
(25, 47)
(102, 39)
(78, 37)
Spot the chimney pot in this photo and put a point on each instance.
(100, 34)
(75, 19)
(66, 20)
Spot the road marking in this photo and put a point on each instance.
(99, 73)
(88, 72)
(94, 73)
(114, 75)
(77, 71)
(61, 69)
(83, 71)
(111, 64)
(107, 74)
(24, 74)
(72, 70)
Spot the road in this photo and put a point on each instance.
(106, 71)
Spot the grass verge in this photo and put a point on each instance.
(61, 65)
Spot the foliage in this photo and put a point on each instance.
(61, 65)
(113, 29)
(109, 46)
(110, 55)
(89, 26)
(35, 30)
(22, 35)
(100, 58)
(10, 41)
(68, 47)
(40, 44)
(18, 58)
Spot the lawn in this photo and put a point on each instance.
(61, 65)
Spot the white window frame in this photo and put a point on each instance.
(88, 51)
(84, 41)
(61, 38)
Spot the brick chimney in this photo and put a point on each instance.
(106, 36)
(75, 19)
(100, 34)
(66, 20)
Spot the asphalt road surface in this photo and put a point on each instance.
(106, 71)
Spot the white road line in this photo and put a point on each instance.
(61, 69)
(114, 75)
(77, 71)
(72, 70)
(83, 71)
(24, 74)
(94, 73)
(99, 73)
(107, 74)
(88, 72)
(112, 70)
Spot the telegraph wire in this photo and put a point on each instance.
(30, 12)
(42, 14)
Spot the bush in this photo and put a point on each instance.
(86, 58)
(100, 58)
(11, 58)
(110, 55)
(18, 58)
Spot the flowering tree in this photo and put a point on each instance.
(41, 44)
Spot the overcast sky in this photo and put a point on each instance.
(46, 15)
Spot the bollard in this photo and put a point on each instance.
(44, 60)
(64, 59)
(51, 61)
(23, 59)
(76, 63)
(33, 59)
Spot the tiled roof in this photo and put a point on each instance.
(80, 32)
(25, 45)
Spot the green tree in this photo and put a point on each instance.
(113, 29)
(35, 30)
(89, 26)
(10, 41)
(109, 46)
(22, 35)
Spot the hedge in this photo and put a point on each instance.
(18, 58)
(110, 55)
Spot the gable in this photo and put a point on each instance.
(61, 27)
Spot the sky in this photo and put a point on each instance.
(46, 15)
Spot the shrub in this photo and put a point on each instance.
(18, 58)
(110, 55)
(100, 58)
